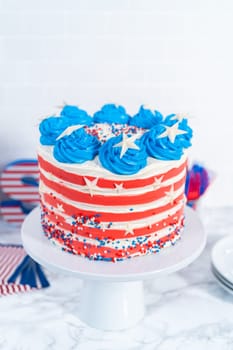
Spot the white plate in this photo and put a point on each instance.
(222, 257)
(168, 260)
(218, 276)
(223, 284)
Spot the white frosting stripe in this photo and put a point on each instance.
(119, 190)
(111, 209)
(99, 200)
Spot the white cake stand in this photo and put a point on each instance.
(112, 293)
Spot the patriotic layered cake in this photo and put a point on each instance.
(111, 184)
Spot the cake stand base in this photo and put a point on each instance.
(111, 305)
(112, 296)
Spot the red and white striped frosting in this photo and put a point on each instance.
(89, 211)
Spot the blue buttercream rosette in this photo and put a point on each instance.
(75, 115)
(77, 147)
(184, 139)
(111, 113)
(161, 147)
(50, 128)
(145, 118)
(128, 162)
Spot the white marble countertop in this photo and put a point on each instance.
(184, 310)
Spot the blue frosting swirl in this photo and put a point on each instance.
(77, 147)
(50, 128)
(130, 163)
(184, 139)
(162, 148)
(146, 118)
(111, 113)
(75, 115)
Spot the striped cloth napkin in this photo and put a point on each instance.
(18, 271)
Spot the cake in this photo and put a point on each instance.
(112, 185)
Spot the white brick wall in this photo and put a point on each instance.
(174, 54)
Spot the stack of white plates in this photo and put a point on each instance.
(222, 262)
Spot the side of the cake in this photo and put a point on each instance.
(111, 185)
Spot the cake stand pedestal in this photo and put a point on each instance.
(112, 296)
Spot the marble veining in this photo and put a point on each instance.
(184, 310)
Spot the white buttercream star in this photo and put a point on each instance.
(126, 143)
(92, 185)
(150, 107)
(104, 226)
(171, 195)
(157, 182)
(69, 130)
(60, 208)
(62, 106)
(171, 132)
(129, 230)
(179, 117)
(119, 187)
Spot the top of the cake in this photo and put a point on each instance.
(123, 144)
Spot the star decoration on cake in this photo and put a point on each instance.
(119, 187)
(150, 107)
(171, 195)
(157, 182)
(63, 105)
(129, 230)
(69, 131)
(179, 117)
(171, 132)
(126, 143)
(60, 208)
(104, 226)
(92, 185)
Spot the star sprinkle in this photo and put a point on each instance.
(60, 208)
(104, 226)
(129, 230)
(126, 143)
(179, 117)
(157, 182)
(92, 185)
(62, 106)
(69, 130)
(171, 195)
(119, 187)
(150, 107)
(171, 132)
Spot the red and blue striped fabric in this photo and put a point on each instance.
(18, 272)
(19, 184)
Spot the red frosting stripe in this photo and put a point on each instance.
(97, 233)
(97, 199)
(105, 183)
(51, 200)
